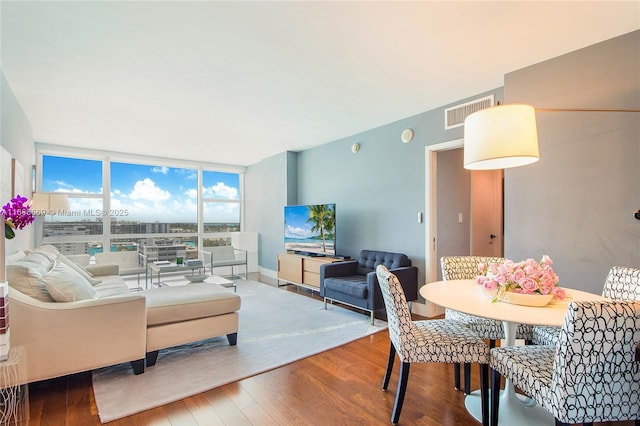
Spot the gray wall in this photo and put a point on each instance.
(378, 191)
(576, 203)
(16, 136)
(268, 186)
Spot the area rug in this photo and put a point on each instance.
(276, 327)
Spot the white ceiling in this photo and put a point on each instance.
(236, 82)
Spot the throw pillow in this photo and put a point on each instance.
(13, 258)
(28, 280)
(26, 274)
(79, 269)
(66, 285)
(47, 250)
(37, 262)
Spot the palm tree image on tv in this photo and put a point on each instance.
(323, 219)
(310, 229)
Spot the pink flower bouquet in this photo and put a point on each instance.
(526, 277)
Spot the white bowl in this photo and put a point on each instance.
(196, 278)
(527, 299)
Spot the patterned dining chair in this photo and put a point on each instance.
(466, 268)
(427, 341)
(621, 284)
(590, 376)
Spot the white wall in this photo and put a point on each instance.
(16, 136)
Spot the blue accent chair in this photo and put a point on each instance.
(354, 282)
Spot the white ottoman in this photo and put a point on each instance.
(184, 314)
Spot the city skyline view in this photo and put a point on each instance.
(140, 193)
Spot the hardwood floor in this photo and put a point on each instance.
(339, 386)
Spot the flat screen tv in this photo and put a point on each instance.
(310, 229)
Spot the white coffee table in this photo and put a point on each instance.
(171, 267)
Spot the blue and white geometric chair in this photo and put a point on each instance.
(621, 284)
(466, 268)
(590, 376)
(427, 341)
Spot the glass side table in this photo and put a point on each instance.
(14, 388)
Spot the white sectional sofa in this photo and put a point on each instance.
(129, 262)
(72, 318)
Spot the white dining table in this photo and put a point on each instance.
(469, 297)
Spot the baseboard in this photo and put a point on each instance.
(428, 309)
(269, 273)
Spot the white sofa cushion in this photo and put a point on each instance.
(111, 285)
(166, 305)
(47, 250)
(66, 285)
(13, 258)
(127, 261)
(48, 276)
(79, 269)
(26, 275)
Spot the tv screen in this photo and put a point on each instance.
(310, 229)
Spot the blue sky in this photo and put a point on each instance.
(145, 193)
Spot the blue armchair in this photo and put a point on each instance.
(355, 283)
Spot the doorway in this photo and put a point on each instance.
(479, 227)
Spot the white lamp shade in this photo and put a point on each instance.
(58, 202)
(50, 203)
(500, 137)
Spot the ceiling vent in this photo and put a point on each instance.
(454, 116)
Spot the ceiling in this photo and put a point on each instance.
(237, 82)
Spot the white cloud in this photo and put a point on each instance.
(221, 212)
(147, 190)
(68, 188)
(191, 193)
(163, 169)
(220, 190)
(73, 191)
(188, 174)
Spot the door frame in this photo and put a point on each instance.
(431, 201)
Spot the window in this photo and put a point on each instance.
(126, 205)
(221, 201)
(153, 199)
(81, 180)
(72, 175)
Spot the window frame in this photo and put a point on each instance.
(107, 157)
